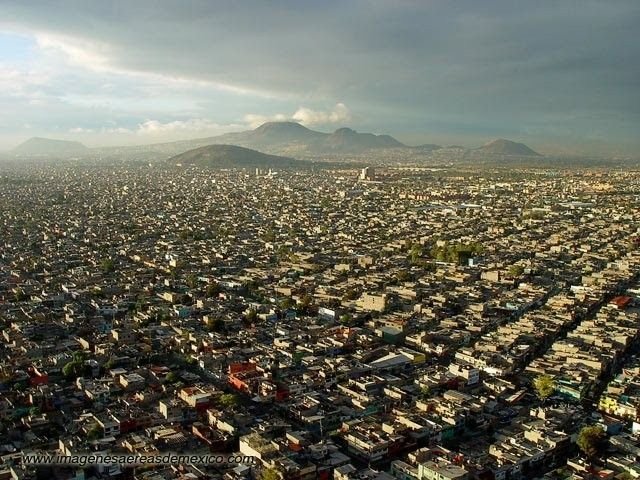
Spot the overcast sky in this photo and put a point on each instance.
(561, 76)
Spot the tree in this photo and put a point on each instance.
(516, 270)
(425, 392)
(215, 324)
(345, 319)
(228, 400)
(213, 289)
(252, 315)
(286, 303)
(73, 369)
(350, 294)
(107, 265)
(415, 253)
(591, 440)
(544, 385)
(403, 276)
(192, 281)
(171, 377)
(19, 295)
(305, 301)
(21, 386)
(79, 357)
(269, 474)
(307, 307)
(269, 236)
(94, 432)
(110, 364)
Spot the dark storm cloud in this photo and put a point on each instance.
(547, 66)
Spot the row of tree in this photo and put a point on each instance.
(591, 439)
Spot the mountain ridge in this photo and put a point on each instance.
(278, 137)
(49, 146)
(286, 139)
(502, 146)
(233, 156)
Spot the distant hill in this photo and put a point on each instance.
(507, 147)
(281, 132)
(288, 139)
(427, 147)
(50, 147)
(292, 137)
(232, 156)
(348, 140)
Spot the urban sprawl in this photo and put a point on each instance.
(376, 324)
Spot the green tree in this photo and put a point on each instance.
(425, 392)
(251, 315)
(345, 319)
(110, 364)
(228, 400)
(94, 432)
(270, 474)
(305, 305)
(215, 324)
(19, 295)
(286, 303)
(415, 253)
(269, 236)
(213, 289)
(350, 294)
(73, 369)
(79, 357)
(107, 265)
(192, 281)
(21, 386)
(403, 276)
(544, 386)
(306, 300)
(516, 270)
(591, 440)
(171, 377)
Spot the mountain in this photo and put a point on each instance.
(291, 137)
(507, 147)
(348, 140)
(232, 156)
(288, 139)
(427, 147)
(49, 147)
(283, 132)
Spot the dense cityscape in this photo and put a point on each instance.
(319, 240)
(379, 323)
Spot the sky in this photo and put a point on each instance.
(560, 76)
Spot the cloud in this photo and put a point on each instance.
(254, 120)
(306, 116)
(86, 54)
(16, 81)
(152, 131)
(81, 130)
(408, 68)
(99, 57)
(194, 125)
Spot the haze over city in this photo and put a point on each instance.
(561, 77)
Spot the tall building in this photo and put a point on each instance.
(367, 173)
